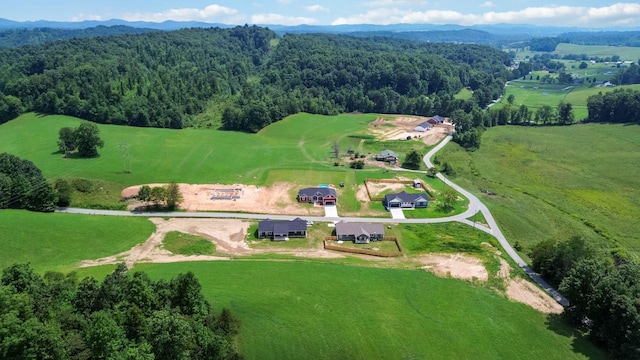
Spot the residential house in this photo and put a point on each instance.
(423, 126)
(282, 230)
(360, 233)
(387, 156)
(436, 120)
(318, 196)
(405, 200)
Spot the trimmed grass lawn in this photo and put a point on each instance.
(557, 182)
(58, 242)
(293, 310)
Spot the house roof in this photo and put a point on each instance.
(318, 192)
(282, 226)
(404, 197)
(356, 228)
(438, 118)
(425, 124)
(386, 153)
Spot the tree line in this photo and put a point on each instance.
(21, 37)
(618, 106)
(127, 316)
(603, 290)
(165, 79)
(22, 186)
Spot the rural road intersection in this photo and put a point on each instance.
(475, 205)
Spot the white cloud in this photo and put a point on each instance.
(488, 4)
(285, 1)
(617, 14)
(382, 3)
(277, 19)
(85, 17)
(315, 8)
(209, 13)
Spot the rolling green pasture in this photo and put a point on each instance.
(300, 142)
(556, 182)
(58, 242)
(534, 94)
(293, 310)
(625, 52)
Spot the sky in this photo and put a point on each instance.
(581, 13)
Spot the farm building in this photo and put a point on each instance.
(281, 230)
(359, 233)
(319, 196)
(436, 120)
(405, 200)
(423, 126)
(387, 156)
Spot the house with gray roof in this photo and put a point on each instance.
(423, 126)
(359, 233)
(282, 230)
(387, 156)
(406, 200)
(318, 196)
(436, 120)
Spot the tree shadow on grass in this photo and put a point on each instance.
(580, 342)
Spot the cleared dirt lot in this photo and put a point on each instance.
(275, 199)
(400, 127)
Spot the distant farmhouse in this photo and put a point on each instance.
(423, 126)
(360, 233)
(405, 200)
(282, 230)
(436, 120)
(318, 196)
(387, 156)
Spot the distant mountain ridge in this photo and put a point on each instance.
(498, 29)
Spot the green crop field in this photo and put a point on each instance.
(293, 310)
(556, 182)
(603, 51)
(59, 241)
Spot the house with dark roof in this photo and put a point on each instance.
(282, 230)
(359, 233)
(406, 200)
(319, 196)
(387, 156)
(436, 120)
(423, 126)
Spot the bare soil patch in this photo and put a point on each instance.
(401, 127)
(527, 293)
(275, 199)
(459, 266)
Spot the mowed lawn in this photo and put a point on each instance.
(556, 182)
(58, 242)
(304, 310)
(302, 141)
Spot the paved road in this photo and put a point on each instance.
(475, 205)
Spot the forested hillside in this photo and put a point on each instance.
(22, 37)
(164, 79)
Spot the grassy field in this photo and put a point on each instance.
(293, 310)
(58, 241)
(625, 52)
(187, 244)
(556, 182)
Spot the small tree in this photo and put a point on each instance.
(431, 172)
(172, 195)
(64, 191)
(144, 194)
(358, 164)
(158, 195)
(66, 140)
(448, 200)
(87, 137)
(412, 161)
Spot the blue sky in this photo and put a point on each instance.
(583, 13)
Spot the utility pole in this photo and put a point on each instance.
(126, 163)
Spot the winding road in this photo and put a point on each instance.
(475, 205)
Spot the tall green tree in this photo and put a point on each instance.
(412, 160)
(173, 195)
(88, 139)
(66, 140)
(565, 113)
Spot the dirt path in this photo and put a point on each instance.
(401, 128)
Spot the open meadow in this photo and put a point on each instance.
(557, 182)
(603, 51)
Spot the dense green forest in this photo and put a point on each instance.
(610, 38)
(55, 316)
(618, 106)
(22, 37)
(164, 79)
(22, 185)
